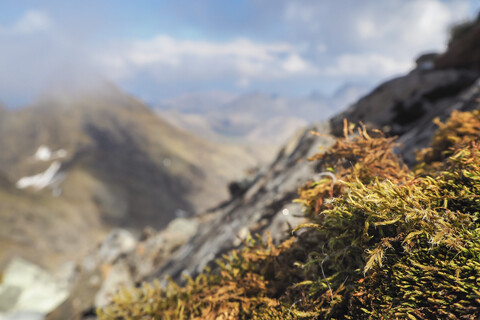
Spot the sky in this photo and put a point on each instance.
(157, 50)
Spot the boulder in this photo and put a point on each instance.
(29, 292)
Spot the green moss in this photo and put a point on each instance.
(382, 243)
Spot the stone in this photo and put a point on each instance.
(28, 289)
(118, 276)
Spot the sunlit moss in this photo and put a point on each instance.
(382, 243)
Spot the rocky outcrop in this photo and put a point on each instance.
(187, 245)
(266, 202)
(29, 292)
(406, 106)
(266, 206)
(463, 49)
(120, 260)
(410, 103)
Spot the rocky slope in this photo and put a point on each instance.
(264, 204)
(73, 166)
(188, 245)
(404, 107)
(407, 105)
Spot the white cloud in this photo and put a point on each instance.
(398, 28)
(367, 65)
(299, 44)
(36, 57)
(371, 39)
(243, 83)
(168, 58)
(294, 63)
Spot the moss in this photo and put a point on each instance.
(382, 242)
(461, 129)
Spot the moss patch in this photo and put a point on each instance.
(383, 242)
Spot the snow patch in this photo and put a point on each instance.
(48, 178)
(45, 154)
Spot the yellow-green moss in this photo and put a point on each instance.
(382, 243)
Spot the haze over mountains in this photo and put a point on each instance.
(98, 160)
(256, 118)
(78, 162)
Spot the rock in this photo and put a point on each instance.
(463, 49)
(29, 292)
(409, 104)
(265, 206)
(99, 276)
(420, 135)
(117, 242)
(80, 303)
(23, 315)
(121, 261)
(426, 61)
(118, 276)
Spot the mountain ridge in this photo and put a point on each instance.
(123, 167)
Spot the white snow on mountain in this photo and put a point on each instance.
(49, 178)
(45, 154)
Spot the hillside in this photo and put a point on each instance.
(75, 165)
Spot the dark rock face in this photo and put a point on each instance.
(463, 49)
(420, 135)
(410, 103)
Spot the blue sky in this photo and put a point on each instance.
(162, 49)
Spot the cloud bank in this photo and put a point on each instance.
(292, 45)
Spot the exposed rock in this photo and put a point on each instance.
(410, 103)
(121, 261)
(23, 315)
(426, 61)
(28, 292)
(116, 243)
(463, 49)
(265, 206)
(420, 135)
(80, 303)
(117, 276)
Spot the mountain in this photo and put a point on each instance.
(256, 118)
(73, 166)
(197, 102)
